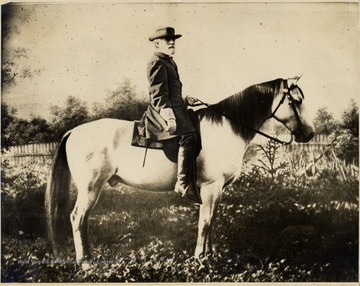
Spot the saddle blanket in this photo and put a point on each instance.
(169, 146)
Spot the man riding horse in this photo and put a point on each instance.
(167, 116)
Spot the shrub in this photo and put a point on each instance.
(22, 198)
(274, 213)
(272, 225)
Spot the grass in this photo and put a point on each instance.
(268, 229)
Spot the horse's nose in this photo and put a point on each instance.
(309, 136)
(304, 137)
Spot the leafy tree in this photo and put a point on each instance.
(324, 121)
(74, 113)
(350, 118)
(8, 116)
(346, 137)
(16, 131)
(41, 130)
(122, 103)
(37, 130)
(11, 69)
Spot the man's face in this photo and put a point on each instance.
(166, 46)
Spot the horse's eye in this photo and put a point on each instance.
(298, 100)
(296, 97)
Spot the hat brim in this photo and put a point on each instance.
(174, 37)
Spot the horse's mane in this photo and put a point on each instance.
(250, 107)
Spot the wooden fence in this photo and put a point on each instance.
(318, 143)
(27, 154)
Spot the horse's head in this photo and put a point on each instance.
(289, 108)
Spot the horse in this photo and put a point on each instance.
(97, 153)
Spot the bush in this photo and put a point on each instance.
(22, 198)
(346, 146)
(273, 213)
(274, 224)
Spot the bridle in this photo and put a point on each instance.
(286, 95)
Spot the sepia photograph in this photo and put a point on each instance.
(180, 142)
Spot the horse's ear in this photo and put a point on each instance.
(293, 81)
(298, 77)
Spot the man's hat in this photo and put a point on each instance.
(164, 32)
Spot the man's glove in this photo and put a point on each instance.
(171, 123)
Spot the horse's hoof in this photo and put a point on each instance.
(85, 263)
(85, 266)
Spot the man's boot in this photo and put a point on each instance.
(186, 183)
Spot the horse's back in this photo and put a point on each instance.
(102, 127)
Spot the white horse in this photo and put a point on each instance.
(97, 153)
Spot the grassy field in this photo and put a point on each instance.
(271, 227)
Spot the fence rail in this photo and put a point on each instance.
(318, 143)
(26, 154)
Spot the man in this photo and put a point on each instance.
(167, 115)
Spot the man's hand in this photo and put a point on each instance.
(171, 123)
(191, 101)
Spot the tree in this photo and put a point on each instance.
(350, 118)
(346, 137)
(122, 103)
(37, 130)
(11, 69)
(74, 113)
(41, 131)
(8, 116)
(16, 131)
(324, 121)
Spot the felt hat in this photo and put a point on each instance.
(164, 32)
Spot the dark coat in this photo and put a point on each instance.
(165, 90)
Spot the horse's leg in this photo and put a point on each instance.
(210, 195)
(88, 194)
(79, 222)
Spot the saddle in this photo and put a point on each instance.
(170, 146)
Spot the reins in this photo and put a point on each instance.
(198, 102)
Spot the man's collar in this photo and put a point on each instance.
(162, 55)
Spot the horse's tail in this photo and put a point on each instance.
(57, 196)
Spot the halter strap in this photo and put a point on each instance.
(291, 102)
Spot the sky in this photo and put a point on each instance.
(87, 50)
